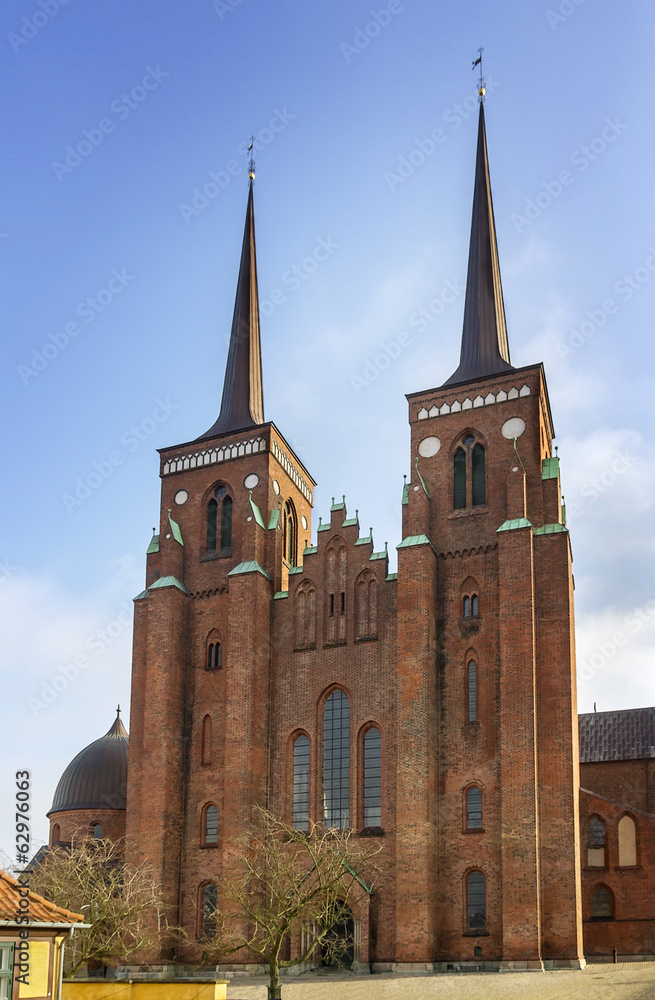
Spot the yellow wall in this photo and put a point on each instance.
(117, 990)
(39, 962)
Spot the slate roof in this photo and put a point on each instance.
(624, 735)
(41, 910)
(97, 777)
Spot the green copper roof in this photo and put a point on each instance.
(514, 523)
(550, 529)
(323, 527)
(405, 493)
(154, 545)
(412, 540)
(280, 595)
(256, 511)
(338, 506)
(310, 550)
(175, 528)
(295, 569)
(274, 518)
(378, 555)
(251, 566)
(142, 596)
(365, 539)
(391, 576)
(350, 523)
(168, 581)
(563, 509)
(550, 468)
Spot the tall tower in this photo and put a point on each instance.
(488, 812)
(235, 518)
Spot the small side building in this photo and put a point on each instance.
(32, 953)
(617, 823)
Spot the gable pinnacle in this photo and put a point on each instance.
(485, 348)
(242, 404)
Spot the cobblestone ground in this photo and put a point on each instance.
(634, 981)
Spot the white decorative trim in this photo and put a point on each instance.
(437, 410)
(291, 470)
(213, 456)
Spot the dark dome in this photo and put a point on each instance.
(97, 777)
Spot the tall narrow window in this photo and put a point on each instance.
(627, 841)
(96, 831)
(226, 523)
(474, 606)
(306, 614)
(373, 778)
(459, 479)
(56, 835)
(478, 475)
(210, 826)
(474, 808)
(602, 903)
(595, 843)
(473, 690)
(476, 899)
(213, 656)
(212, 516)
(206, 749)
(301, 783)
(208, 907)
(290, 534)
(466, 608)
(336, 761)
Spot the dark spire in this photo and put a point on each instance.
(485, 350)
(242, 405)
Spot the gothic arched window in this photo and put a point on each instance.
(472, 692)
(478, 476)
(602, 903)
(209, 825)
(336, 761)
(366, 606)
(595, 843)
(214, 656)
(290, 534)
(459, 479)
(469, 474)
(56, 835)
(300, 817)
(336, 592)
(476, 900)
(207, 910)
(305, 614)
(219, 520)
(474, 808)
(373, 777)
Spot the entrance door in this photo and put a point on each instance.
(339, 948)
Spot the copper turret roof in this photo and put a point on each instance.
(485, 349)
(242, 404)
(97, 777)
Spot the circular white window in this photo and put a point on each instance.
(429, 446)
(251, 481)
(512, 428)
(276, 487)
(181, 497)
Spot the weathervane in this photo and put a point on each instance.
(481, 86)
(251, 162)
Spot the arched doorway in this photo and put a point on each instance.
(338, 951)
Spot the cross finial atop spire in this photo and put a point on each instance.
(251, 161)
(481, 87)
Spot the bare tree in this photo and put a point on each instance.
(122, 902)
(290, 883)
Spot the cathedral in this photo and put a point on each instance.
(432, 709)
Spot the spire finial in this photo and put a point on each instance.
(481, 87)
(251, 161)
(118, 712)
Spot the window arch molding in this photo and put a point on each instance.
(468, 454)
(290, 532)
(370, 775)
(218, 503)
(209, 825)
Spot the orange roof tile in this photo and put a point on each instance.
(41, 910)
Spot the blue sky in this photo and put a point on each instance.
(118, 288)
